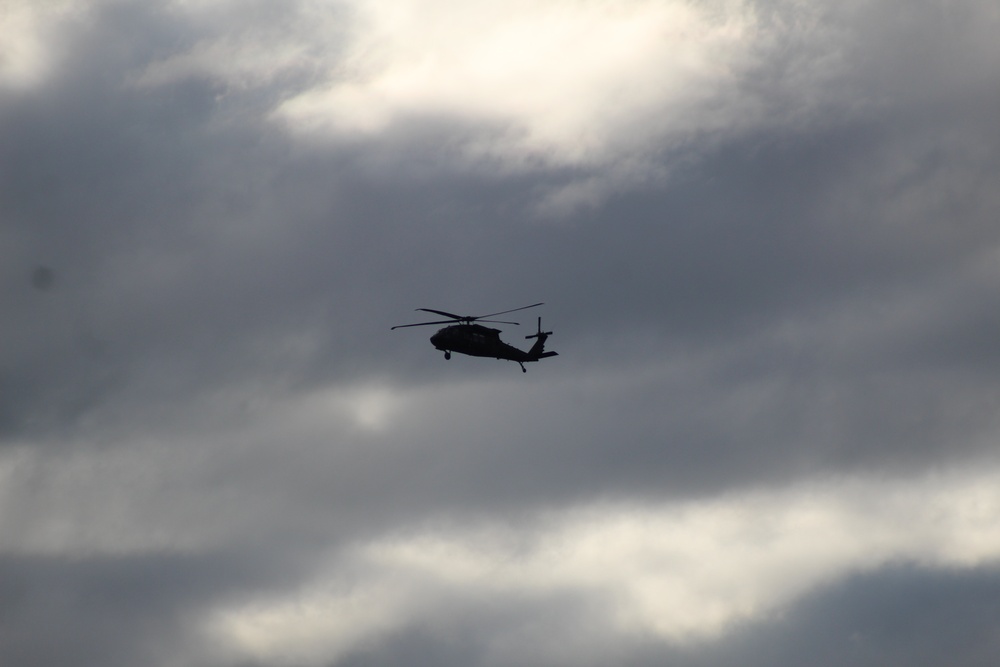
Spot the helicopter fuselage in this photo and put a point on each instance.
(477, 341)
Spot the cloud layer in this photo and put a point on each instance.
(765, 237)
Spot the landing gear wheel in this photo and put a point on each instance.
(447, 354)
(523, 369)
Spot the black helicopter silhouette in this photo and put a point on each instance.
(476, 340)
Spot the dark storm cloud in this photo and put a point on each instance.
(901, 615)
(796, 299)
(156, 213)
(115, 610)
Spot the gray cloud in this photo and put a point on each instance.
(795, 283)
(899, 615)
(113, 610)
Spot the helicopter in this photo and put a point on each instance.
(466, 337)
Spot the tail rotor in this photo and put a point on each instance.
(537, 350)
(541, 334)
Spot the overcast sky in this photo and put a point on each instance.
(766, 235)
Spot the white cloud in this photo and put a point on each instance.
(246, 46)
(570, 80)
(28, 38)
(681, 571)
(566, 82)
(311, 629)
(602, 86)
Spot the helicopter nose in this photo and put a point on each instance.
(436, 339)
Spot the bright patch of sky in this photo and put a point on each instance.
(564, 77)
(29, 39)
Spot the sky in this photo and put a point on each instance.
(765, 235)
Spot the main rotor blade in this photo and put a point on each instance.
(421, 324)
(504, 312)
(457, 317)
(467, 319)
